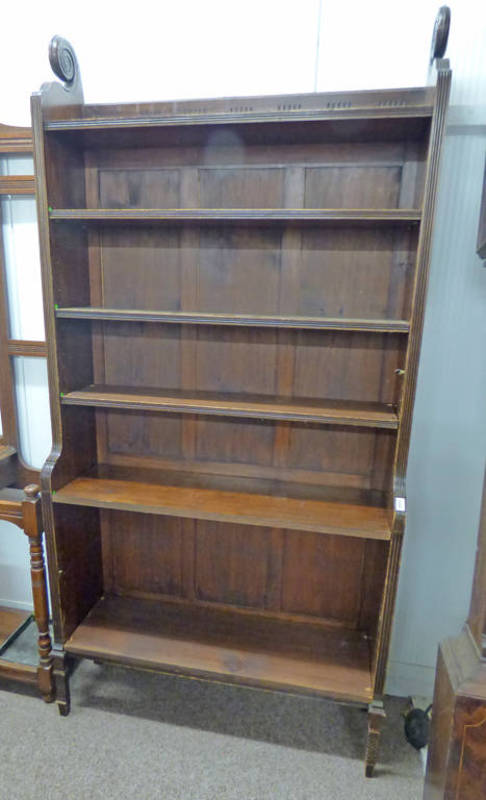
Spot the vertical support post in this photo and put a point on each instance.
(376, 715)
(31, 520)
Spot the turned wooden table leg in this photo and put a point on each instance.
(376, 715)
(33, 529)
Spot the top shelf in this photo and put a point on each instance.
(387, 115)
(372, 115)
(244, 116)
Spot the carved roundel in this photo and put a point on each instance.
(62, 59)
(441, 33)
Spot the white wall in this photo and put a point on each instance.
(194, 49)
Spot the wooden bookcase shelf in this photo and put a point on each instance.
(244, 320)
(234, 302)
(258, 216)
(371, 117)
(183, 496)
(227, 646)
(373, 415)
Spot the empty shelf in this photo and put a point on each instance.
(226, 646)
(183, 496)
(374, 415)
(242, 215)
(244, 320)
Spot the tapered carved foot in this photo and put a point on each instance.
(376, 715)
(61, 678)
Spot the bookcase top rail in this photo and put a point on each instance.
(194, 118)
(393, 100)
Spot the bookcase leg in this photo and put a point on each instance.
(61, 677)
(376, 715)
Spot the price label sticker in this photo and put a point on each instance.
(399, 504)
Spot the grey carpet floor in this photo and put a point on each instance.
(152, 737)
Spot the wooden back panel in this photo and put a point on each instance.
(351, 271)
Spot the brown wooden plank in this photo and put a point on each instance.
(278, 321)
(212, 504)
(228, 647)
(306, 410)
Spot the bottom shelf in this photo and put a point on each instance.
(227, 646)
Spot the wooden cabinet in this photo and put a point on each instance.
(234, 298)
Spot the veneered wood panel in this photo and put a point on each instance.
(231, 563)
(228, 151)
(322, 576)
(236, 360)
(234, 441)
(331, 449)
(146, 553)
(238, 270)
(373, 580)
(136, 188)
(359, 457)
(350, 272)
(348, 366)
(76, 574)
(142, 355)
(144, 434)
(354, 186)
(154, 255)
(241, 188)
(354, 272)
(339, 450)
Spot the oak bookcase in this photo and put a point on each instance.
(234, 298)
